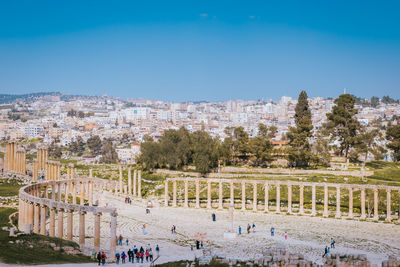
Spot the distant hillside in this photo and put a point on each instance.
(9, 98)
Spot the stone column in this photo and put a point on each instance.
(73, 192)
(301, 199)
(208, 195)
(97, 231)
(31, 213)
(289, 188)
(67, 187)
(134, 183)
(43, 219)
(90, 193)
(70, 220)
(338, 213)
(59, 192)
(376, 212)
(82, 229)
(113, 233)
(165, 193)
(326, 214)
(266, 197)
(82, 197)
(52, 222)
(232, 192)
(36, 222)
(120, 179)
(243, 195)
(186, 204)
(20, 212)
(60, 223)
(91, 173)
(388, 208)
(174, 193)
(350, 202)
(254, 196)
(363, 215)
(140, 184)
(197, 194)
(278, 198)
(220, 204)
(129, 181)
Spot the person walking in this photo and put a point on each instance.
(120, 240)
(272, 231)
(147, 255)
(123, 256)
(103, 258)
(127, 242)
(248, 228)
(130, 255)
(99, 257)
(144, 229)
(151, 255)
(240, 230)
(332, 243)
(254, 228)
(158, 250)
(325, 252)
(117, 256)
(285, 236)
(137, 256)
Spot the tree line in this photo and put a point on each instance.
(341, 135)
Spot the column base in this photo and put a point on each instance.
(376, 218)
(338, 216)
(363, 217)
(388, 219)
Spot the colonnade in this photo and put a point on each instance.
(42, 157)
(50, 202)
(289, 186)
(134, 187)
(71, 171)
(52, 170)
(14, 159)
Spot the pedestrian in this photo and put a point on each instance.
(99, 257)
(174, 229)
(197, 244)
(148, 247)
(213, 217)
(254, 228)
(141, 257)
(120, 240)
(123, 256)
(191, 247)
(325, 251)
(127, 242)
(130, 255)
(144, 229)
(141, 250)
(151, 255)
(103, 258)
(117, 256)
(137, 256)
(201, 245)
(285, 235)
(332, 243)
(240, 230)
(158, 250)
(147, 255)
(248, 228)
(272, 231)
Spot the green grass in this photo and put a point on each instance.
(385, 171)
(9, 187)
(33, 249)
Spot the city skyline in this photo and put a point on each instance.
(210, 52)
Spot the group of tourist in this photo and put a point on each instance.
(128, 200)
(101, 257)
(327, 249)
(249, 228)
(140, 254)
(173, 229)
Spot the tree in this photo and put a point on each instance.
(299, 154)
(205, 154)
(175, 148)
(55, 151)
(393, 136)
(94, 144)
(81, 114)
(109, 155)
(150, 153)
(367, 142)
(77, 146)
(342, 124)
(261, 147)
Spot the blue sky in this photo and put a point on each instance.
(200, 50)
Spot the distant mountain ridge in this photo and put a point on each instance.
(31, 97)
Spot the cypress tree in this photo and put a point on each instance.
(299, 154)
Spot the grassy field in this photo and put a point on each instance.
(385, 171)
(33, 249)
(9, 187)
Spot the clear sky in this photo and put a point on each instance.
(200, 50)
